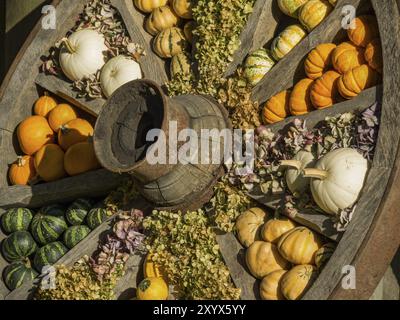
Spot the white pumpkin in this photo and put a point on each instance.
(338, 179)
(82, 54)
(295, 180)
(117, 72)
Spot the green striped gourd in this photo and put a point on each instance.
(49, 255)
(46, 229)
(257, 65)
(19, 246)
(75, 234)
(96, 217)
(78, 211)
(180, 64)
(17, 273)
(16, 219)
(287, 40)
(170, 42)
(324, 254)
(55, 210)
(291, 7)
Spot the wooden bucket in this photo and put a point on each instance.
(121, 146)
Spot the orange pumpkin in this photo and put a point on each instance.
(300, 101)
(75, 131)
(355, 81)
(346, 57)
(373, 55)
(80, 158)
(277, 108)
(319, 60)
(324, 92)
(33, 133)
(44, 105)
(61, 115)
(366, 29)
(49, 163)
(22, 171)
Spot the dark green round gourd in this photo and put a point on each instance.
(17, 273)
(96, 217)
(46, 229)
(75, 234)
(49, 255)
(55, 210)
(16, 219)
(78, 211)
(18, 246)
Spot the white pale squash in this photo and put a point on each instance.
(82, 54)
(295, 180)
(291, 7)
(117, 72)
(338, 179)
(257, 65)
(287, 40)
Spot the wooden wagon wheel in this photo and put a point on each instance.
(372, 237)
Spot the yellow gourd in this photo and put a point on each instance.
(161, 19)
(149, 5)
(262, 258)
(183, 8)
(287, 40)
(152, 289)
(170, 42)
(248, 226)
(274, 229)
(296, 282)
(299, 246)
(314, 12)
(270, 287)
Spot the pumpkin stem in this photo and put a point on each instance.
(68, 45)
(21, 162)
(315, 173)
(292, 164)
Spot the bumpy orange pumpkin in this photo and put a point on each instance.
(44, 105)
(355, 81)
(49, 163)
(183, 8)
(366, 30)
(75, 131)
(373, 55)
(324, 92)
(319, 60)
(61, 115)
(277, 108)
(33, 133)
(80, 158)
(22, 171)
(300, 101)
(346, 57)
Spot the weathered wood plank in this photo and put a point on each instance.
(260, 29)
(234, 257)
(290, 68)
(373, 238)
(63, 88)
(91, 184)
(153, 67)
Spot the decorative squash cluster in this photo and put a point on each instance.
(171, 41)
(285, 257)
(310, 13)
(334, 73)
(56, 143)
